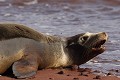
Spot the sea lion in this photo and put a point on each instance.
(28, 50)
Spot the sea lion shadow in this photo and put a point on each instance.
(8, 72)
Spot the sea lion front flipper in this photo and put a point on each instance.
(24, 68)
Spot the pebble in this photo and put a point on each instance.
(75, 78)
(68, 75)
(108, 74)
(96, 71)
(84, 74)
(51, 78)
(84, 70)
(116, 70)
(61, 72)
(97, 77)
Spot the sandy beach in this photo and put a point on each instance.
(66, 74)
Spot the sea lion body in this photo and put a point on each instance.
(14, 49)
(29, 50)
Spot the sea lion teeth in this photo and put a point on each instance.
(27, 50)
(102, 47)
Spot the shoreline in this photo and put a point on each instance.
(66, 74)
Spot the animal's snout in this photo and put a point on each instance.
(104, 35)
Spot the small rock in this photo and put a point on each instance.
(83, 74)
(96, 71)
(84, 70)
(116, 70)
(75, 78)
(51, 78)
(61, 72)
(68, 75)
(108, 74)
(97, 77)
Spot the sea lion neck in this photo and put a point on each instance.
(76, 53)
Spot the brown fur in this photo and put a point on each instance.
(29, 50)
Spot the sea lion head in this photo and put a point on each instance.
(86, 46)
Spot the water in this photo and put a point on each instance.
(70, 17)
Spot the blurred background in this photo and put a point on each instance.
(70, 17)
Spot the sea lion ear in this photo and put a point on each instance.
(74, 45)
(69, 44)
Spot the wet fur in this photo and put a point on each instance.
(29, 50)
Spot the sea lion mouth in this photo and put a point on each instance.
(99, 46)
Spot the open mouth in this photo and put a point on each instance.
(99, 45)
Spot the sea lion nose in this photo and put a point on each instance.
(104, 33)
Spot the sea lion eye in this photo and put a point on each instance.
(83, 39)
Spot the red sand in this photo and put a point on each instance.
(63, 74)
